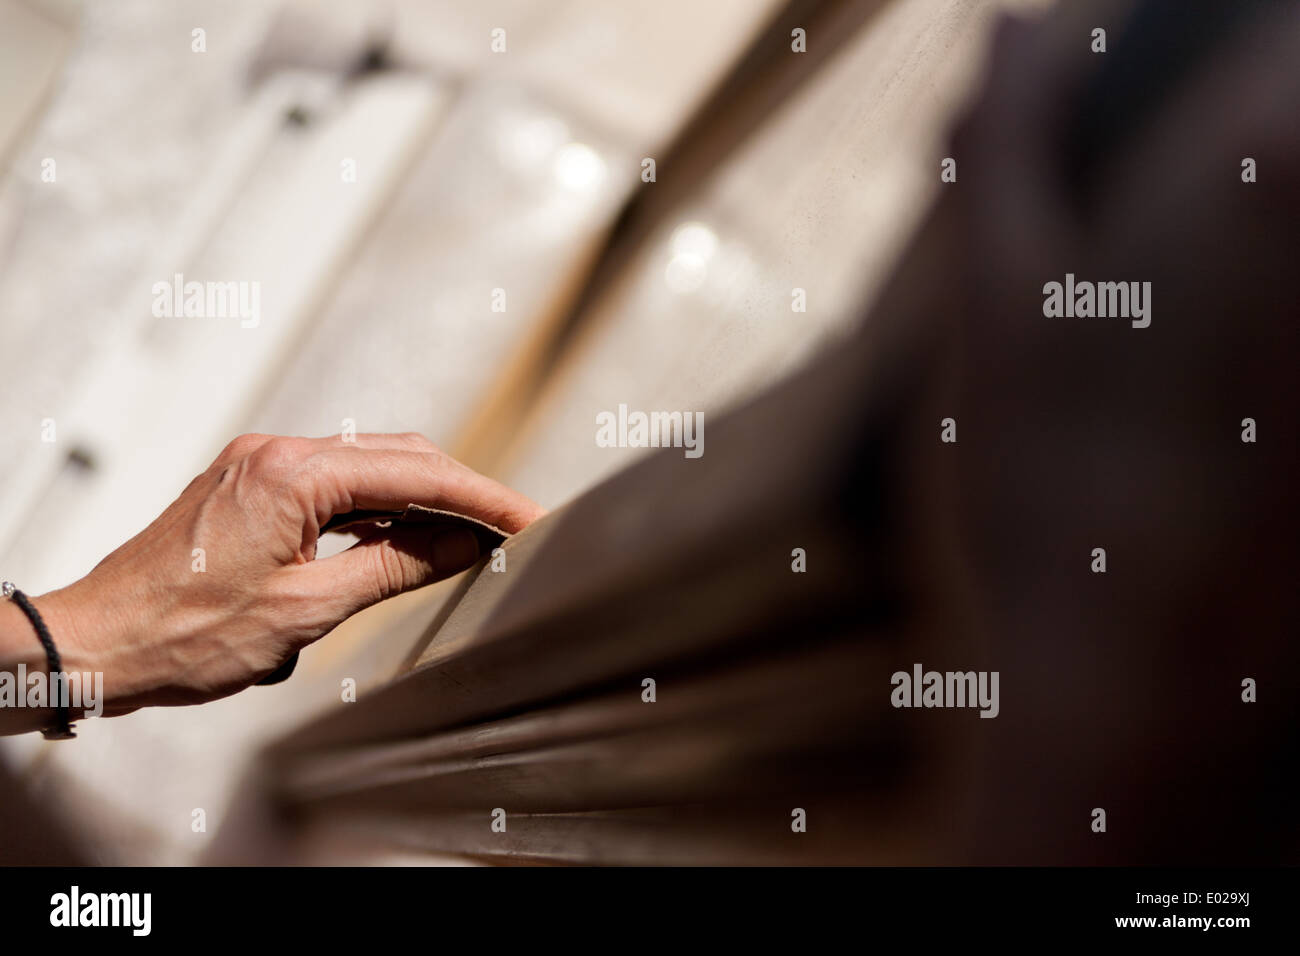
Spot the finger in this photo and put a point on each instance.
(245, 445)
(382, 479)
(396, 441)
(380, 567)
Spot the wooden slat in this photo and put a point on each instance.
(748, 724)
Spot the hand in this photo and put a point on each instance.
(168, 624)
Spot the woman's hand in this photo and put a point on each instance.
(223, 587)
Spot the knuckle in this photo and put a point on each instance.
(418, 441)
(433, 473)
(279, 458)
(241, 447)
(390, 572)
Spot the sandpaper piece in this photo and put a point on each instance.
(488, 536)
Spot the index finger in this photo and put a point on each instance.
(389, 479)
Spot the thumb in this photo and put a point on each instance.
(381, 566)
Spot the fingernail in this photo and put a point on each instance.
(454, 551)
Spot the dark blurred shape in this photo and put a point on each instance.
(1162, 43)
(348, 39)
(1119, 691)
(33, 834)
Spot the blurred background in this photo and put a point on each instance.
(484, 221)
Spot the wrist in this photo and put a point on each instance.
(46, 682)
(83, 636)
(58, 610)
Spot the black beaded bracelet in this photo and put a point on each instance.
(62, 726)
